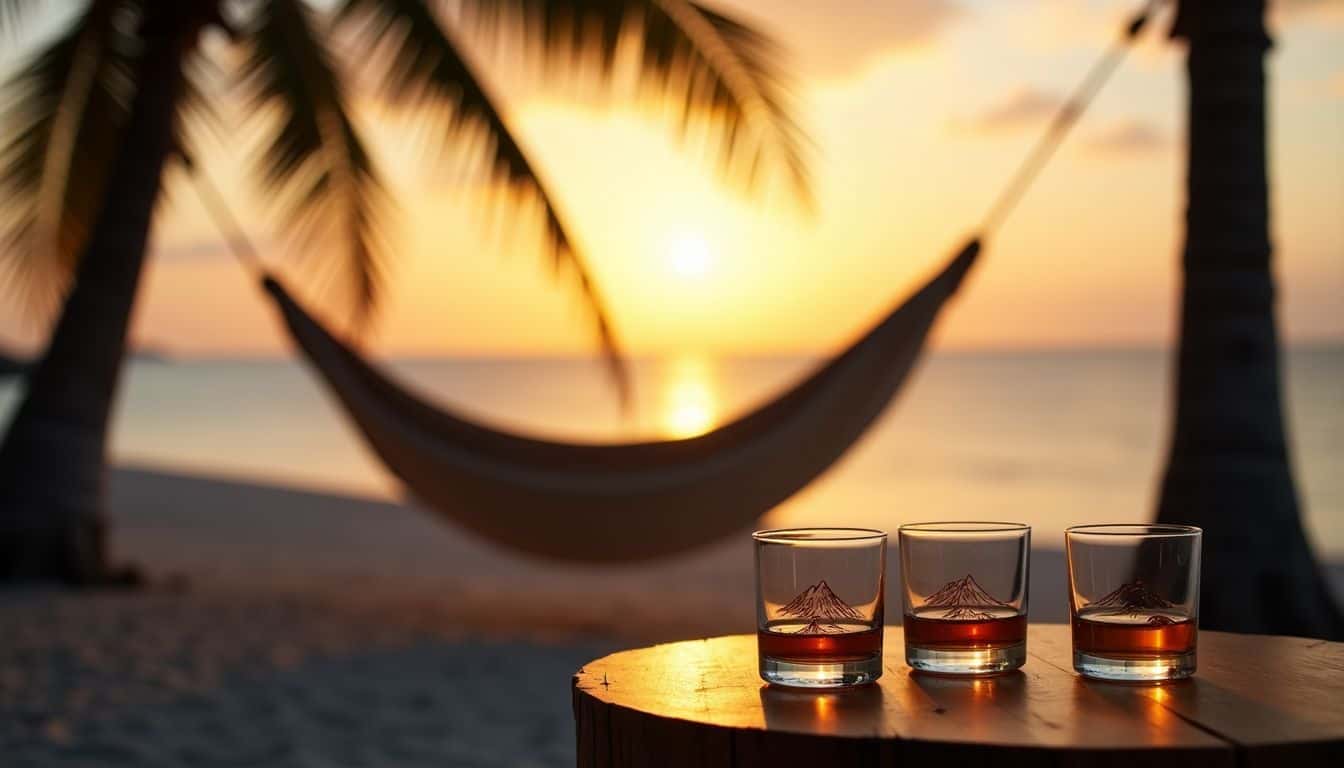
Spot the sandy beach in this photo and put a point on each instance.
(151, 679)
(289, 627)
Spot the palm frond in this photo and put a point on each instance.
(196, 108)
(313, 160)
(761, 95)
(705, 63)
(73, 93)
(424, 66)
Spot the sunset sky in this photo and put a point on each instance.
(920, 109)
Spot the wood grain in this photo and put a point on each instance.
(1256, 701)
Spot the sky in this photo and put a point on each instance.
(919, 110)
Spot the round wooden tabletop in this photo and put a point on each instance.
(1255, 700)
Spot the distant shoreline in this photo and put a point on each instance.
(187, 356)
(11, 363)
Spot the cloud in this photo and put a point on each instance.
(203, 250)
(1024, 108)
(199, 250)
(1305, 6)
(1128, 137)
(840, 38)
(1287, 11)
(1030, 108)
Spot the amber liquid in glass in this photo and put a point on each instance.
(988, 629)
(794, 641)
(1141, 634)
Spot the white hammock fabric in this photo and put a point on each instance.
(634, 501)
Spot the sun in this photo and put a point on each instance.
(689, 256)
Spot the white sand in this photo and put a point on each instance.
(325, 630)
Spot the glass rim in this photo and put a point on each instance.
(1135, 530)
(800, 535)
(965, 526)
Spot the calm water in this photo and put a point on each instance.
(1048, 438)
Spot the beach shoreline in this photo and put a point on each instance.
(294, 627)
(243, 535)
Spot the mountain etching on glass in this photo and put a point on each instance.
(822, 610)
(964, 599)
(1132, 599)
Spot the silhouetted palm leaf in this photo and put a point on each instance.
(314, 161)
(196, 110)
(702, 61)
(765, 92)
(423, 66)
(72, 93)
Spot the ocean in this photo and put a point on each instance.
(1050, 438)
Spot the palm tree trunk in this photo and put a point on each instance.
(53, 459)
(1228, 470)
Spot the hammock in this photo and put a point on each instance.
(635, 501)
(632, 501)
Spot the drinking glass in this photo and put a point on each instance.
(819, 596)
(965, 596)
(1134, 598)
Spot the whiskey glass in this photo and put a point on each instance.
(965, 596)
(819, 598)
(1134, 600)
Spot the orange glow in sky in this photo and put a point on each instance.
(918, 117)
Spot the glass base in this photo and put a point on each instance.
(1176, 666)
(966, 661)
(832, 674)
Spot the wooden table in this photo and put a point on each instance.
(1256, 700)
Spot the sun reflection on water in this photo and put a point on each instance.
(689, 401)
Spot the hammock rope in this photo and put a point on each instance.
(1064, 119)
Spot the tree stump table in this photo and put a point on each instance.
(1256, 701)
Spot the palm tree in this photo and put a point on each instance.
(1228, 471)
(100, 111)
